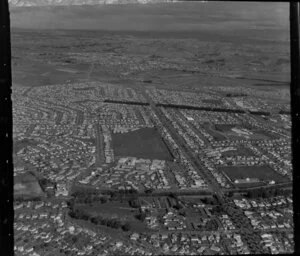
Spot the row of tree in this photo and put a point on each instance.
(22, 198)
(99, 220)
(94, 194)
(261, 192)
(199, 108)
(267, 193)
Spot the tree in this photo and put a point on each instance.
(88, 200)
(209, 200)
(182, 212)
(43, 183)
(113, 223)
(218, 209)
(230, 194)
(172, 195)
(177, 206)
(103, 200)
(132, 191)
(85, 216)
(126, 227)
(264, 193)
(141, 216)
(149, 191)
(94, 220)
(134, 203)
(74, 239)
(71, 203)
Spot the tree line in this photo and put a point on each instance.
(99, 220)
(267, 193)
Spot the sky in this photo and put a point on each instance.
(229, 17)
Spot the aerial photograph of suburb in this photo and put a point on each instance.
(151, 127)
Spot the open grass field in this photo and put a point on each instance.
(118, 210)
(20, 144)
(224, 131)
(143, 143)
(263, 173)
(26, 185)
(112, 209)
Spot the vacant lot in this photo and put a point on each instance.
(263, 173)
(143, 143)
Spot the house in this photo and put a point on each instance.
(164, 236)
(134, 236)
(61, 189)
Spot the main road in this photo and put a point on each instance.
(99, 146)
(186, 150)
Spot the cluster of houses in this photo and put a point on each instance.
(278, 243)
(195, 178)
(133, 118)
(226, 222)
(54, 233)
(129, 173)
(271, 219)
(178, 243)
(62, 189)
(134, 173)
(203, 99)
(281, 154)
(117, 116)
(31, 210)
(268, 214)
(212, 153)
(59, 123)
(63, 131)
(108, 148)
(41, 226)
(184, 130)
(272, 100)
(47, 157)
(173, 221)
(245, 203)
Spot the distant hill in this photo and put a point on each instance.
(19, 3)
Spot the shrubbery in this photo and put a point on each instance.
(266, 193)
(99, 220)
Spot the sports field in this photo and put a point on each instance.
(263, 173)
(237, 132)
(143, 143)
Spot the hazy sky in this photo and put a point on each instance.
(212, 16)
